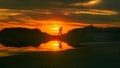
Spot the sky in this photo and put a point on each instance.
(46, 14)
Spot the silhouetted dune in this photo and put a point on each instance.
(91, 34)
(21, 37)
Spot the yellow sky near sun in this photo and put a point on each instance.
(53, 27)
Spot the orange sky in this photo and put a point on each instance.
(50, 26)
(49, 15)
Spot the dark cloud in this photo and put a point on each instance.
(24, 4)
(44, 4)
(37, 4)
(106, 11)
(109, 4)
(97, 19)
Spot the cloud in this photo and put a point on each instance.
(87, 11)
(46, 4)
(79, 11)
(88, 3)
(66, 14)
(109, 5)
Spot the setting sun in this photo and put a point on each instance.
(56, 28)
(52, 26)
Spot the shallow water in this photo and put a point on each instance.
(49, 55)
(83, 57)
(49, 46)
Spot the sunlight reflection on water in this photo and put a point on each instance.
(49, 46)
(54, 46)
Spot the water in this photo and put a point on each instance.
(82, 57)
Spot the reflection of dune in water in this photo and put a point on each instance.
(50, 46)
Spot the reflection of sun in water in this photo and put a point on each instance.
(54, 46)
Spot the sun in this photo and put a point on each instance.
(52, 27)
(55, 28)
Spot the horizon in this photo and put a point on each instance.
(54, 30)
(52, 27)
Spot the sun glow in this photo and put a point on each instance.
(52, 26)
(55, 27)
